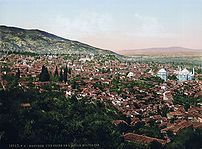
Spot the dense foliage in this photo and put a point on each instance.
(53, 118)
(188, 138)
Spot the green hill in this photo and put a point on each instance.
(37, 41)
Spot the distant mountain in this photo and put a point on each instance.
(37, 41)
(161, 51)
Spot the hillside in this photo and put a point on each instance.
(37, 41)
(162, 51)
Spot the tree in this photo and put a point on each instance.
(155, 145)
(61, 75)
(158, 110)
(69, 70)
(186, 138)
(11, 79)
(18, 73)
(186, 107)
(173, 77)
(170, 134)
(65, 74)
(123, 127)
(44, 75)
(74, 85)
(164, 111)
(56, 71)
(54, 77)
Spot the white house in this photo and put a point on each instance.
(151, 72)
(85, 59)
(130, 74)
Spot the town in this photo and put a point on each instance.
(167, 96)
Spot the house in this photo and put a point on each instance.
(85, 59)
(116, 122)
(151, 72)
(175, 114)
(130, 74)
(142, 138)
(25, 105)
(175, 128)
(157, 118)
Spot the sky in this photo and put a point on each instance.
(111, 24)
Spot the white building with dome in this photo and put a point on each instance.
(162, 74)
(185, 75)
(130, 74)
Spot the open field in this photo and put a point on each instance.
(177, 59)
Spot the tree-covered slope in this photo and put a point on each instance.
(22, 40)
(52, 118)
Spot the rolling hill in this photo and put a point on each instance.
(162, 51)
(37, 41)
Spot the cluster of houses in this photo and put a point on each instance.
(182, 119)
(91, 70)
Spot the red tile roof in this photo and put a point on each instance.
(116, 122)
(142, 138)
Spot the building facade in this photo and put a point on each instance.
(162, 74)
(185, 75)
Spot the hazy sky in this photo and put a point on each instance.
(111, 24)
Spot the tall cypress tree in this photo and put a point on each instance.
(61, 75)
(74, 85)
(65, 74)
(69, 70)
(18, 73)
(44, 75)
(56, 71)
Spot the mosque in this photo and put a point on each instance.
(185, 75)
(162, 74)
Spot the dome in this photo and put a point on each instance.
(185, 71)
(162, 70)
(130, 74)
